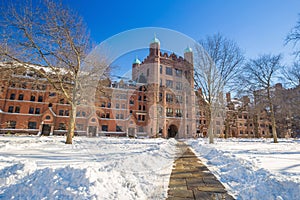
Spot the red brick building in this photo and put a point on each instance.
(160, 101)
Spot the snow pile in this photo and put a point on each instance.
(91, 168)
(241, 166)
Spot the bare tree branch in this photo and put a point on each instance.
(50, 34)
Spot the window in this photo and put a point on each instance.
(93, 120)
(123, 106)
(179, 99)
(117, 116)
(145, 98)
(147, 72)
(11, 124)
(31, 125)
(169, 83)
(120, 116)
(140, 98)
(107, 116)
(31, 110)
(169, 112)
(103, 104)
(161, 69)
(218, 123)
(12, 96)
(119, 128)
(10, 109)
(178, 112)
(66, 112)
(117, 105)
(169, 71)
(161, 82)
(21, 97)
(109, 105)
(83, 114)
(79, 127)
(17, 109)
(40, 99)
(61, 126)
(48, 117)
(104, 127)
(178, 72)
(13, 85)
(37, 111)
(169, 97)
(160, 96)
(123, 96)
(141, 117)
(144, 107)
(140, 129)
(32, 98)
(241, 132)
(131, 102)
(52, 94)
(24, 85)
(178, 86)
(61, 112)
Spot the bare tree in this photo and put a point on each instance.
(294, 37)
(292, 74)
(48, 33)
(217, 63)
(258, 77)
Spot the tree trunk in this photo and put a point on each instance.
(273, 124)
(227, 127)
(211, 130)
(272, 117)
(71, 127)
(255, 124)
(211, 135)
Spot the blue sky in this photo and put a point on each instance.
(258, 26)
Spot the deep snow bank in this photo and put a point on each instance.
(91, 168)
(241, 175)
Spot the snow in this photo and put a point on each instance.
(34, 167)
(92, 168)
(254, 168)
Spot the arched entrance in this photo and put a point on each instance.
(172, 131)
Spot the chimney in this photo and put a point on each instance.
(228, 97)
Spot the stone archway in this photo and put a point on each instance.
(172, 131)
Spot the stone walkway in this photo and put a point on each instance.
(190, 179)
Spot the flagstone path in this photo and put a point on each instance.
(191, 179)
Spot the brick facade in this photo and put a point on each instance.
(159, 101)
